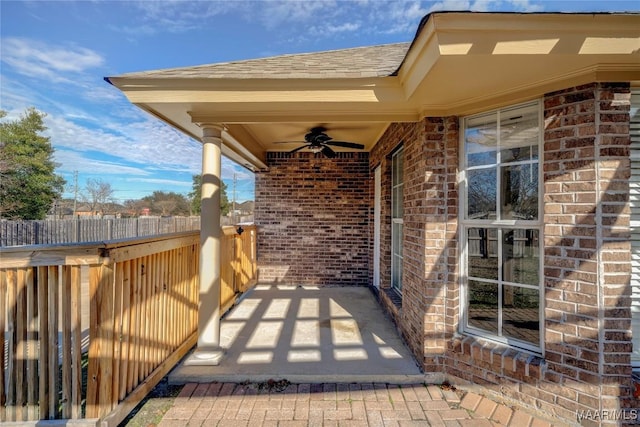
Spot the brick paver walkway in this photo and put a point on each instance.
(366, 404)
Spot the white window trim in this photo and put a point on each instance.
(465, 224)
(634, 191)
(377, 209)
(395, 220)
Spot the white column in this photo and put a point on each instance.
(209, 351)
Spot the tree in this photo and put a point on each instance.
(167, 203)
(196, 194)
(134, 207)
(28, 183)
(98, 194)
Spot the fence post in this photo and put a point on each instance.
(101, 341)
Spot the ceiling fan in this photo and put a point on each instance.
(319, 142)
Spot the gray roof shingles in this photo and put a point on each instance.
(361, 62)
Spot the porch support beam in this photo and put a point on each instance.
(208, 351)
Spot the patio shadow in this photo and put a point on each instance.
(308, 335)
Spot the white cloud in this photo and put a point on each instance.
(178, 16)
(145, 142)
(102, 94)
(482, 5)
(526, 6)
(450, 5)
(71, 161)
(299, 13)
(347, 27)
(38, 59)
(161, 181)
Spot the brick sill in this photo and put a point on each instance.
(507, 361)
(394, 297)
(391, 302)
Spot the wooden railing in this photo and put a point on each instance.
(238, 258)
(90, 329)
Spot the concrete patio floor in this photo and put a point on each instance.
(308, 335)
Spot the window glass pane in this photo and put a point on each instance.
(520, 313)
(521, 256)
(398, 207)
(397, 238)
(481, 193)
(483, 306)
(396, 254)
(519, 132)
(396, 275)
(480, 136)
(397, 214)
(482, 256)
(503, 274)
(394, 172)
(519, 193)
(397, 167)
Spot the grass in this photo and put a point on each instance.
(150, 411)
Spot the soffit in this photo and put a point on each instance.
(461, 63)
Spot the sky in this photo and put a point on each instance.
(54, 56)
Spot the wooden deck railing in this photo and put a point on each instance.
(88, 330)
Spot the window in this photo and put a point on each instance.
(634, 194)
(502, 228)
(397, 213)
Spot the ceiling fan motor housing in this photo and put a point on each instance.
(318, 142)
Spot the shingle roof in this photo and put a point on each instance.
(370, 61)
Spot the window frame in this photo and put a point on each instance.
(397, 259)
(500, 225)
(634, 191)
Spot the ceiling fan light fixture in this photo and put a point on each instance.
(317, 141)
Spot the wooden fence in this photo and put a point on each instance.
(51, 232)
(141, 296)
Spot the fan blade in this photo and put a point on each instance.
(328, 152)
(298, 149)
(345, 144)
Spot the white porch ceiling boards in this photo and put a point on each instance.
(458, 63)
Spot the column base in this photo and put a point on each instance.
(205, 357)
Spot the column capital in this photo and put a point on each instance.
(212, 129)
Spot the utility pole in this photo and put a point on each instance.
(235, 180)
(75, 192)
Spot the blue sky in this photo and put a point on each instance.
(54, 55)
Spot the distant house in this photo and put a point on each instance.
(85, 210)
(245, 208)
(490, 209)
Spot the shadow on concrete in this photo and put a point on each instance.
(308, 334)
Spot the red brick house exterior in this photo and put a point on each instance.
(587, 266)
(530, 300)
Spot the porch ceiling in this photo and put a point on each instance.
(457, 64)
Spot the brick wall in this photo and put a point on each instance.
(313, 218)
(430, 231)
(393, 138)
(587, 251)
(586, 363)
